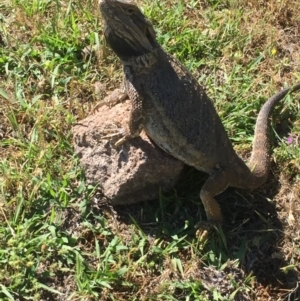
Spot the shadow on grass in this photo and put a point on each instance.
(253, 232)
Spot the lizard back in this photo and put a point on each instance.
(179, 116)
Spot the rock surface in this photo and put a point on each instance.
(130, 173)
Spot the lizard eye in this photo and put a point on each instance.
(130, 11)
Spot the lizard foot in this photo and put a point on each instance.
(111, 130)
(111, 133)
(126, 137)
(118, 95)
(204, 228)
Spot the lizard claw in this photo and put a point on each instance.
(203, 229)
(111, 133)
(115, 97)
(96, 108)
(122, 140)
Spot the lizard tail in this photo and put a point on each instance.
(260, 158)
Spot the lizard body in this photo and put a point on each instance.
(174, 110)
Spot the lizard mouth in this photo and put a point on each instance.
(149, 36)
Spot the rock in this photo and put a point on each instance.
(130, 173)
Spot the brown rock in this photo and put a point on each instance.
(133, 172)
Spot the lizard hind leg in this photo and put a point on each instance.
(214, 185)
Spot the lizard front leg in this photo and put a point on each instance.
(118, 95)
(136, 118)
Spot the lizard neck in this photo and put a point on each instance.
(146, 60)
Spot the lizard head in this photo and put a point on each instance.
(127, 31)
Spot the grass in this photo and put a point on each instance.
(58, 243)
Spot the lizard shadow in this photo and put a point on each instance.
(252, 228)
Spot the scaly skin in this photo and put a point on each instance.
(175, 111)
